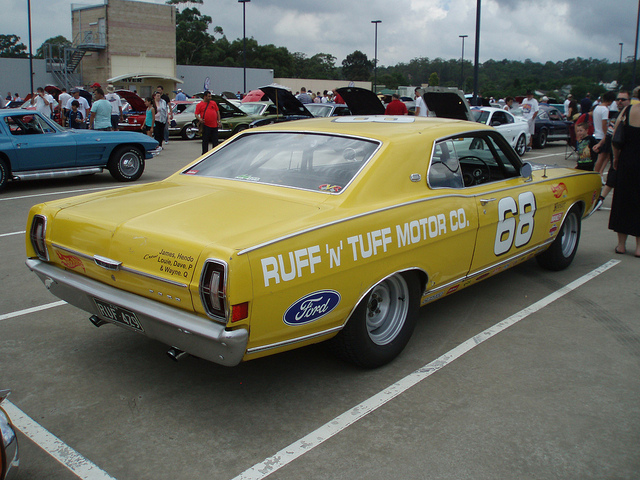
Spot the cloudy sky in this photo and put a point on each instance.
(540, 30)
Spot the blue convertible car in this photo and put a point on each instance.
(34, 147)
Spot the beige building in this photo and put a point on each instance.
(130, 44)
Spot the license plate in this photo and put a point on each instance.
(118, 314)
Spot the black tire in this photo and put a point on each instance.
(240, 128)
(382, 323)
(188, 132)
(561, 252)
(126, 163)
(541, 140)
(4, 174)
(521, 145)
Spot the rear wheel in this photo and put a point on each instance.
(382, 323)
(240, 128)
(541, 140)
(4, 174)
(561, 252)
(521, 145)
(126, 163)
(189, 132)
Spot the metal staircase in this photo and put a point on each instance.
(63, 61)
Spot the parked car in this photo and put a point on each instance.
(9, 455)
(294, 233)
(183, 121)
(134, 114)
(288, 107)
(328, 109)
(35, 147)
(514, 129)
(233, 119)
(550, 127)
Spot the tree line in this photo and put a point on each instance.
(497, 78)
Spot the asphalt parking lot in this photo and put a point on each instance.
(528, 375)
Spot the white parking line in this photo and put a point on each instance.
(48, 194)
(26, 311)
(340, 423)
(55, 447)
(12, 233)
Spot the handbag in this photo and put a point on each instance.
(618, 135)
(201, 122)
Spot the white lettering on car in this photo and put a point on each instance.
(508, 228)
(304, 258)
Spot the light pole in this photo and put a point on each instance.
(462, 63)
(244, 44)
(620, 68)
(375, 57)
(476, 64)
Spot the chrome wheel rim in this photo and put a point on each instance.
(569, 235)
(129, 163)
(521, 146)
(387, 309)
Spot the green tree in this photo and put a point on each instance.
(434, 81)
(193, 41)
(11, 47)
(357, 66)
(57, 46)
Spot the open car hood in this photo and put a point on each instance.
(285, 102)
(228, 106)
(447, 103)
(361, 101)
(137, 104)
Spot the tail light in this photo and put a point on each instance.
(213, 289)
(37, 235)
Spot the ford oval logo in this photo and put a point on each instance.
(311, 307)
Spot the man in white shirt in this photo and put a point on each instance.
(42, 103)
(421, 105)
(530, 110)
(600, 122)
(566, 104)
(116, 106)
(63, 99)
(84, 105)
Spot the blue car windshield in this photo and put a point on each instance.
(29, 124)
(309, 161)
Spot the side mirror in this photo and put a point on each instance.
(526, 171)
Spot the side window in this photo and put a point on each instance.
(444, 168)
(510, 118)
(499, 117)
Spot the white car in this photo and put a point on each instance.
(514, 129)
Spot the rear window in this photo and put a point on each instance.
(309, 161)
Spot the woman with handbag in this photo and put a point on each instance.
(208, 116)
(625, 206)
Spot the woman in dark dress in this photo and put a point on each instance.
(625, 207)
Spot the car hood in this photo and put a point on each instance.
(447, 103)
(137, 104)
(361, 101)
(285, 102)
(228, 106)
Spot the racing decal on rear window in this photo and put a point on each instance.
(311, 307)
(510, 230)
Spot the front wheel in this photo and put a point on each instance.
(561, 252)
(521, 145)
(541, 140)
(126, 164)
(382, 323)
(189, 132)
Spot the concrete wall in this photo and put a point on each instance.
(221, 79)
(18, 78)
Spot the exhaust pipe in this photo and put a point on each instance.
(176, 354)
(98, 322)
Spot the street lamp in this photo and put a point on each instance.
(620, 68)
(462, 63)
(244, 44)
(375, 57)
(476, 62)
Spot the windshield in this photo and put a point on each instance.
(251, 109)
(318, 110)
(481, 116)
(310, 161)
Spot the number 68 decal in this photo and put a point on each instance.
(508, 228)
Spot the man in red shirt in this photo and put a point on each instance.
(396, 107)
(207, 112)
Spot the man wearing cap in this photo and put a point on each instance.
(116, 106)
(84, 105)
(180, 96)
(529, 112)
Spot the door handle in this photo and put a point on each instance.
(484, 201)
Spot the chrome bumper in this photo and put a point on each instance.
(175, 327)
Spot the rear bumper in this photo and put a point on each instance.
(173, 326)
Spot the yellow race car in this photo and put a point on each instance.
(325, 229)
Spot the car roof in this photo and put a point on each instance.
(386, 128)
